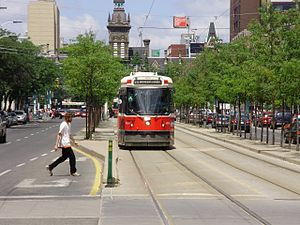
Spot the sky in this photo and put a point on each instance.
(78, 16)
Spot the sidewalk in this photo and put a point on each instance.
(275, 151)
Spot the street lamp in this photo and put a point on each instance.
(11, 21)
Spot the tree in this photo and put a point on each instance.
(92, 73)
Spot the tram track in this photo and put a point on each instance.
(244, 170)
(167, 219)
(243, 207)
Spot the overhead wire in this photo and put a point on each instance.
(147, 16)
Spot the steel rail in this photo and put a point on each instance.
(161, 211)
(233, 200)
(243, 170)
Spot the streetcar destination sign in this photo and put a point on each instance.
(147, 82)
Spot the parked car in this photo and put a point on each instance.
(4, 116)
(76, 112)
(282, 119)
(62, 113)
(21, 116)
(264, 119)
(2, 130)
(245, 123)
(83, 113)
(290, 134)
(221, 121)
(12, 119)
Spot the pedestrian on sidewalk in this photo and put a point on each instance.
(63, 141)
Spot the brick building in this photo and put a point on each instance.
(242, 12)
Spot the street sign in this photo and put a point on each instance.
(155, 53)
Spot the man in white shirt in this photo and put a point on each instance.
(63, 141)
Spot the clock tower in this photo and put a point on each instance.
(118, 28)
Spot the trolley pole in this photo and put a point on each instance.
(110, 154)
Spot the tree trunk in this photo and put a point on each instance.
(273, 122)
(262, 124)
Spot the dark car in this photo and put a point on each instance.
(290, 134)
(245, 123)
(221, 120)
(283, 119)
(2, 130)
(4, 116)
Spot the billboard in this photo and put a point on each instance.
(180, 22)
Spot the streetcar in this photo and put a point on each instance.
(146, 112)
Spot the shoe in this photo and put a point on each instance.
(75, 174)
(50, 171)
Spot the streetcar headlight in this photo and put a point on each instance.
(163, 125)
(148, 123)
(131, 125)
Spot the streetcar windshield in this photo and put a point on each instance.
(149, 101)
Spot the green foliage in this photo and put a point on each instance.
(263, 67)
(91, 72)
(22, 70)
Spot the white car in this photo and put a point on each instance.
(21, 116)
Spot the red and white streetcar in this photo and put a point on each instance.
(146, 112)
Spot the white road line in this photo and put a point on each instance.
(22, 164)
(44, 154)
(37, 132)
(8, 143)
(43, 130)
(26, 137)
(31, 134)
(52, 150)
(18, 139)
(35, 158)
(5, 172)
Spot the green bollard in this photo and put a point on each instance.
(110, 153)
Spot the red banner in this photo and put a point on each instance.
(180, 22)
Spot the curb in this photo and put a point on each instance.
(262, 152)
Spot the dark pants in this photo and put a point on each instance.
(66, 153)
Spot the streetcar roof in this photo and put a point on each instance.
(146, 78)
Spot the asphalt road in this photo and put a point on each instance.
(28, 150)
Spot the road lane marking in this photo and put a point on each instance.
(52, 150)
(5, 172)
(97, 179)
(18, 139)
(26, 137)
(30, 183)
(35, 158)
(8, 143)
(22, 164)
(37, 132)
(44, 154)
(31, 134)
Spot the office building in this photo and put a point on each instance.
(44, 25)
